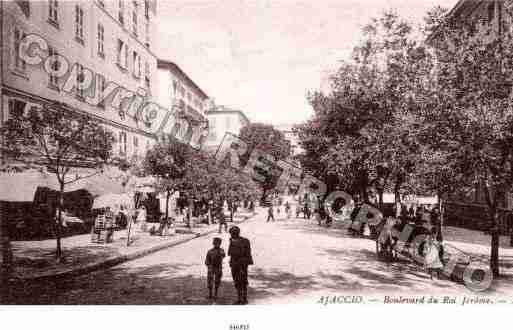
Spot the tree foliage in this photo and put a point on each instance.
(58, 139)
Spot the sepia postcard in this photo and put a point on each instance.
(216, 154)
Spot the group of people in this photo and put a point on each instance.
(270, 211)
(210, 210)
(239, 250)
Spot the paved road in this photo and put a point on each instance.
(295, 261)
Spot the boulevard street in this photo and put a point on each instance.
(296, 261)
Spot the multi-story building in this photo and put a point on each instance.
(223, 120)
(177, 89)
(112, 39)
(179, 94)
(292, 137)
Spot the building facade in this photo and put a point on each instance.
(180, 95)
(176, 88)
(223, 120)
(110, 41)
(292, 137)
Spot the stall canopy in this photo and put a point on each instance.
(113, 200)
(98, 185)
(141, 184)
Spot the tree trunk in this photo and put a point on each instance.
(167, 203)
(511, 235)
(397, 186)
(264, 194)
(6, 264)
(439, 235)
(58, 253)
(494, 253)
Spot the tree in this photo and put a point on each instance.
(269, 140)
(471, 122)
(356, 138)
(59, 139)
(167, 161)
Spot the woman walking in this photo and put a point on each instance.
(432, 261)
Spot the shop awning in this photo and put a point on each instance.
(22, 186)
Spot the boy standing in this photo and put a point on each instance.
(214, 263)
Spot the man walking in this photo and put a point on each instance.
(270, 213)
(221, 219)
(239, 251)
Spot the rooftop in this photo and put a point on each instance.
(168, 65)
(225, 110)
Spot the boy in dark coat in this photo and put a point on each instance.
(214, 263)
(240, 258)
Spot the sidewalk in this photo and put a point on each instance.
(35, 260)
(471, 245)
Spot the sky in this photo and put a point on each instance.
(262, 57)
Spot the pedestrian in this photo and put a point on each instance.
(270, 213)
(240, 258)
(298, 210)
(287, 209)
(221, 219)
(411, 213)
(307, 212)
(211, 219)
(355, 227)
(141, 218)
(404, 215)
(432, 261)
(109, 225)
(214, 263)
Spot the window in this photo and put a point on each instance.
(119, 56)
(122, 143)
(136, 145)
(101, 40)
(126, 57)
(19, 64)
(122, 54)
(52, 12)
(147, 35)
(53, 79)
(491, 11)
(136, 65)
(147, 76)
(79, 24)
(134, 19)
(147, 9)
(16, 107)
(80, 79)
(101, 91)
(121, 14)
